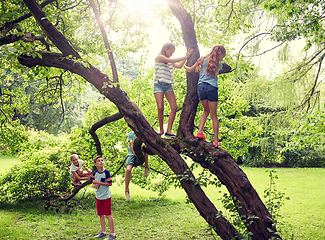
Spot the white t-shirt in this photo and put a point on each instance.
(74, 168)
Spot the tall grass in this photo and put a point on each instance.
(148, 217)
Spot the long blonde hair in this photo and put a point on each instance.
(213, 63)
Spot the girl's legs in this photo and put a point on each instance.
(204, 116)
(160, 106)
(170, 96)
(215, 122)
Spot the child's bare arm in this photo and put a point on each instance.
(77, 176)
(191, 69)
(87, 169)
(181, 64)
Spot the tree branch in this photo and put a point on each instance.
(54, 35)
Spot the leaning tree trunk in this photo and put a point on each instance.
(222, 164)
(219, 162)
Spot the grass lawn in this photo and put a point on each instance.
(6, 162)
(148, 217)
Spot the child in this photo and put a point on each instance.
(130, 160)
(207, 88)
(164, 78)
(101, 181)
(76, 172)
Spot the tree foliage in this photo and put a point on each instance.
(68, 53)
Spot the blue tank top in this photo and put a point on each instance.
(204, 78)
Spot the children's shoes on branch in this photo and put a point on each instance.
(216, 143)
(200, 135)
(170, 135)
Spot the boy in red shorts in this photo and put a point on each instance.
(101, 181)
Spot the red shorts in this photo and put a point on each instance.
(103, 207)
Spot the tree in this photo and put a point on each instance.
(220, 163)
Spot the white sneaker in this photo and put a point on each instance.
(127, 195)
(101, 235)
(110, 236)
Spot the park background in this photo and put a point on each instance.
(265, 121)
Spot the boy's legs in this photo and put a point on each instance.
(111, 223)
(102, 223)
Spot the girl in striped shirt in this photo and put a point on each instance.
(164, 79)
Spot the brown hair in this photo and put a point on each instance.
(97, 157)
(168, 46)
(213, 63)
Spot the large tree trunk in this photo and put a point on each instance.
(219, 162)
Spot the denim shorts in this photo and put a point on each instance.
(130, 159)
(162, 87)
(206, 91)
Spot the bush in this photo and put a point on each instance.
(39, 175)
(304, 157)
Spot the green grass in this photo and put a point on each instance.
(6, 162)
(148, 217)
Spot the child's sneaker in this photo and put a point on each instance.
(100, 235)
(110, 236)
(170, 135)
(127, 195)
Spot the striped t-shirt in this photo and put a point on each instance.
(164, 72)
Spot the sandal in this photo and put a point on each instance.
(216, 143)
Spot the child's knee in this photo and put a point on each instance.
(160, 108)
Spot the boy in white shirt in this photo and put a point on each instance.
(101, 182)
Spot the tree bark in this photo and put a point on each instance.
(99, 124)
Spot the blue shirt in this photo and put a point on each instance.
(204, 78)
(103, 192)
(131, 137)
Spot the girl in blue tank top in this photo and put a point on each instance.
(207, 88)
